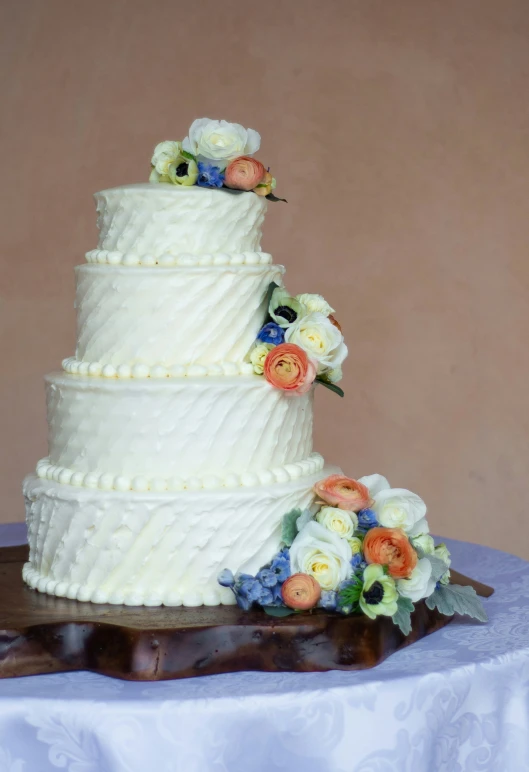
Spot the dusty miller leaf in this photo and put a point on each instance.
(439, 567)
(402, 616)
(289, 528)
(278, 611)
(454, 599)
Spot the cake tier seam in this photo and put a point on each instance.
(185, 259)
(107, 481)
(75, 366)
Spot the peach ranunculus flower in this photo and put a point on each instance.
(390, 547)
(344, 493)
(288, 367)
(301, 592)
(244, 173)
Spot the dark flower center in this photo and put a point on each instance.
(181, 169)
(287, 313)
(374, 595)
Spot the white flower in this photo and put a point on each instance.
(322, 554)
(356, 545)
(338, 521)
(396, 507)
(315, 303)
(424, 542)
(165, 153)
(334, 375)
(420, 584)
(258, 356)
(320, 339)
(441, 552)
(220, 141)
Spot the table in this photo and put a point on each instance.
(456, 701)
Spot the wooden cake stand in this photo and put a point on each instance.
(43, 634)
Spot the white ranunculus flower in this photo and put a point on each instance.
(424, 542)
(320, 339)
(322, 554)
(165, 153)
(338, 521)
(315, 303)
(374, 483)
(400, 508)
(220, 141)
(335, 375)
(420, 584)
(258, 355)
(441, 552)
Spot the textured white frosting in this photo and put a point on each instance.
(152, 548)
(183, 428)
(179, 316)
(160, 219)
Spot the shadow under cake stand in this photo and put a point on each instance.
(40, 633)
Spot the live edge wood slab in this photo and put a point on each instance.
(43, 634)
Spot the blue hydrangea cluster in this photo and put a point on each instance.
(264, 588)
(271, 333)
(209, 176)
(366, 519)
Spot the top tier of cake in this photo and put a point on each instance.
(156, 220)
(178, 282)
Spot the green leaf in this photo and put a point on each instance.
(273, 197)
(289, 528)
(439, 567)
(189, 156)
(331, 386)
(278, 611)
(402, 616)
(452, 599)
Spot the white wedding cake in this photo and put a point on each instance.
(171, 455)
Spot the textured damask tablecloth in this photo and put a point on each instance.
(457, 700)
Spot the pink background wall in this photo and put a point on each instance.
(399, 132)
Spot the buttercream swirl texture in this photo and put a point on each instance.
(174, 428)
(145, 316)
(152, 548)
(160, 219)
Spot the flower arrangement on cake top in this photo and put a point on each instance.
(362, 548)
(300, 343)
(215, 154)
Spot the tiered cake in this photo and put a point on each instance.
(169, 458)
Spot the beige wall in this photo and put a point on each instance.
(399, 132)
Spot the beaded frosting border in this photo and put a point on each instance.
(113, 257)
(75, 366)
(140, 484)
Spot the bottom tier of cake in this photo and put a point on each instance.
(149, 549)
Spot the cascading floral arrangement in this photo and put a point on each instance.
(215, 154)
(362, 548)
(300, 343)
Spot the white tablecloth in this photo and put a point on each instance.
(458, 700)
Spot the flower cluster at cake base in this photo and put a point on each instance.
(215, 154)
(361, 548)
(299, 344)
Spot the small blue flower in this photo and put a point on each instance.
(266, 598)
(280, 565)
(226, 578)
(209, 176)
(243, 602)
(328, 600)
(271, 333)
(277, 597)
(267, 577)
(366, 519)
(250, 589)
(357, 560)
